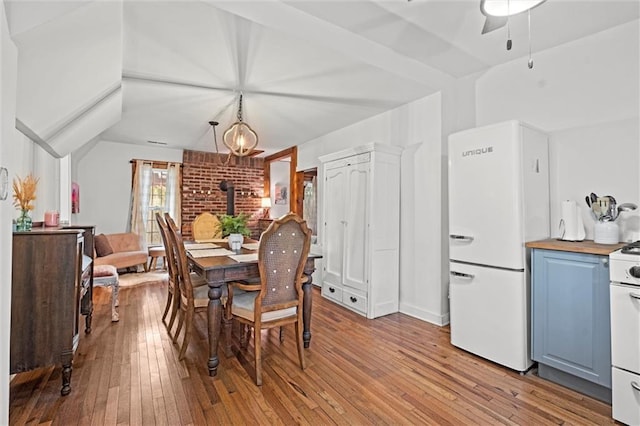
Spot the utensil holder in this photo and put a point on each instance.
(605, 233)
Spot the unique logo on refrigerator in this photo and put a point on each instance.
(478, 151)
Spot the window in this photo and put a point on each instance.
(157, 197)
(155, 189)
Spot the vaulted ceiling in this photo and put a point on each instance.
(140, 71)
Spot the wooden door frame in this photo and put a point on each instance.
(295, 201)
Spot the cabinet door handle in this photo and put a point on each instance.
(636, 386)
(332, 290)
(461, 238)
(468, 277)
(353, 299)
(634, 295)
(605, 261)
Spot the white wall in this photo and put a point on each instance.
(585, 94)
(603, 158)
(20, 156)
(104, 176)
(418, 126)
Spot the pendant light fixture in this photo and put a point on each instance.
(240, 137)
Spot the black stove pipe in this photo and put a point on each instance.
(227, 186)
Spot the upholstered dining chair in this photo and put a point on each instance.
(282, 254)
(193, 293)
(205, 226)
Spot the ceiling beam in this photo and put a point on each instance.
(286, 19)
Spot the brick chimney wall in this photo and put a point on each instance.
(202, 173)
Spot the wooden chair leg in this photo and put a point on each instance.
(258, 355)
(245, 336)
(188, 327)
(174, 309)
(168, 305)
(181, 315)
(300, 343)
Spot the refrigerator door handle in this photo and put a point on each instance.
(461, 275)
(461, 238)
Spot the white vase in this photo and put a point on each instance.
(235, 241)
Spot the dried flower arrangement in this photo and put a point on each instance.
(24, 192)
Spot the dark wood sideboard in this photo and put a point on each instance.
(51, 287)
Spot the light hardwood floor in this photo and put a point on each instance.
(392, 370)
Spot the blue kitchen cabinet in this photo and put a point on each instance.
(571, 337)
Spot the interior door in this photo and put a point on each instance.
(334, 223)
(355, 227)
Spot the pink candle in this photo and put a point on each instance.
(51, 218)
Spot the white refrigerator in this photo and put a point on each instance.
(498, 200)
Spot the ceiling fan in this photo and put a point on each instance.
(497, 12)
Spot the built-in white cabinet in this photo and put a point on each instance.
(361, 228)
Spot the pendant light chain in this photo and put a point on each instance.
(239, 115)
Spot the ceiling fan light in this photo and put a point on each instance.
(507, 7)
(240, 139)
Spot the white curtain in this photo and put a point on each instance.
(172, 199)
(309, 205)
(140, 194)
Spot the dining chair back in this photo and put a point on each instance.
(193, 296)
(173, 290)
(206, 226)
(282, 255)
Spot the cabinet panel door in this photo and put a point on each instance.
(356, 224)
(334, 223)
(571, 314)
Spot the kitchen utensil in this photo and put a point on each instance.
(595, 208)
(593, 197)
(603, 205)
(612, 211)
(588, 200)
(626, 207)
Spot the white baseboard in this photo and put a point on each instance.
(414, 311)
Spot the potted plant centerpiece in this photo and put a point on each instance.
(235, 228)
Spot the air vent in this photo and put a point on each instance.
(157, 142)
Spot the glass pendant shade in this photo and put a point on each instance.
(503, 8)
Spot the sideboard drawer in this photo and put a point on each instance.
(332, 291)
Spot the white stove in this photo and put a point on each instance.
(624, 270)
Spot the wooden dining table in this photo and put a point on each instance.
(218, 271)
